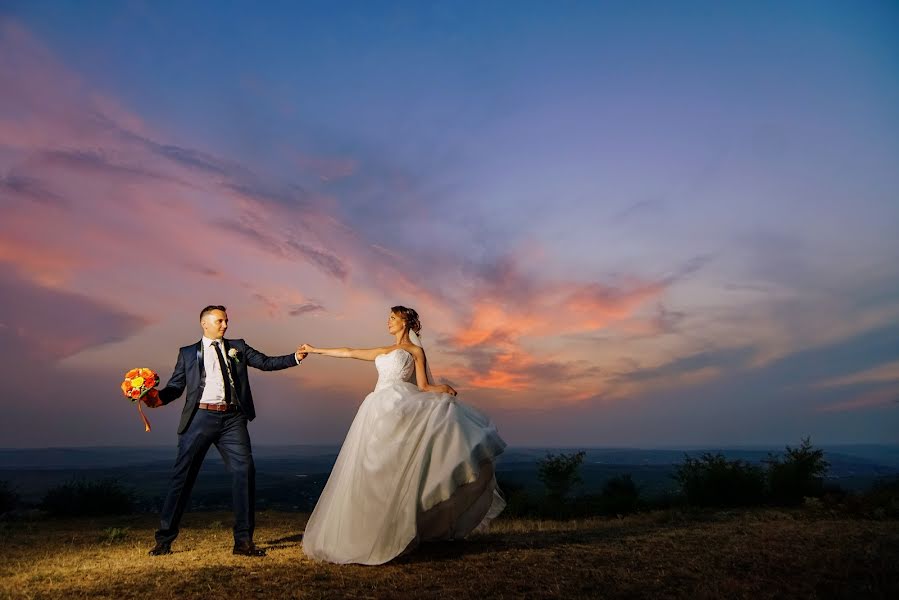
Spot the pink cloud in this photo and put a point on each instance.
(884, 373)
(872, 399)
(44, 105)
(513, 311)
(113, 195)
(39, 323)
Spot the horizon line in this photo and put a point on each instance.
(510, 446)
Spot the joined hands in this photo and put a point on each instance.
(301, 352)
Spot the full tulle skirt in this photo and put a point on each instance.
(415, 466)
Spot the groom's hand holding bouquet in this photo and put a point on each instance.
(152, 399)
(140, 386)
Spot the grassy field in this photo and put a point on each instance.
(752, 554)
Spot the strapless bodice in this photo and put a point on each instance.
(396, 366)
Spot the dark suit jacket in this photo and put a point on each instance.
(190, 374)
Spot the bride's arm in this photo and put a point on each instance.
(359, 353)
(421, 374)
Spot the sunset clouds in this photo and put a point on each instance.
(619, 238)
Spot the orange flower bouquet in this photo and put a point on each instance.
(138, 384)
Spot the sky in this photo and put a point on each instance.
(638, 224)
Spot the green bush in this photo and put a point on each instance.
(797, 475)
(559, 473)
(8, 498)
(712, 480)
(88, 498)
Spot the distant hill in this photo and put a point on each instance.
(118, 456)
(291, 477)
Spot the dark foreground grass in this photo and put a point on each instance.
(753, 554)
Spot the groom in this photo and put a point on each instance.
(219, 403)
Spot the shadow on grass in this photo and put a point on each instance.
(494, 542)
(510, 541)
(290, 538)
(284, 542)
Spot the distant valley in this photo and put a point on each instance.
(291, 477)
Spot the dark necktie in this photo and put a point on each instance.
(226, 379)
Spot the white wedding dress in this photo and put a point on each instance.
(414, 466)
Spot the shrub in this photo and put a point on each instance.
(8, 498)
(559, 473)
(712, 480)
(79, 498)
(796, 475)
(619, 495)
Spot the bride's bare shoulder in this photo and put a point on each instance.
(413, 349)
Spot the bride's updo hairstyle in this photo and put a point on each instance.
(409, 316)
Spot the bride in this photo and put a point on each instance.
(416, 464)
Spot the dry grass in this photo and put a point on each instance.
(757, 554)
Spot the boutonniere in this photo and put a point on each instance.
(234, 354)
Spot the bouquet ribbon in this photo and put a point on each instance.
(143, 416)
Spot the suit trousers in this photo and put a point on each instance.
(228, 431)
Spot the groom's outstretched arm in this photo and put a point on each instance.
(258, 360)
(175, 387)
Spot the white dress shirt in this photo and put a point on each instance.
(214, 392)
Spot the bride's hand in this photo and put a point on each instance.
(449, 390)
(306, 349)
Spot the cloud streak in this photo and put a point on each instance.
(44, 324)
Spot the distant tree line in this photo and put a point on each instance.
(708, 481)
(784, 480)
(76, 498)
(795, 477)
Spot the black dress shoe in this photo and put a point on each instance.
(248, 549)
(159, 549)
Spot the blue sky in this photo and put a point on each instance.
(623, 223)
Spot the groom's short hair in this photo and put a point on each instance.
(211, 308)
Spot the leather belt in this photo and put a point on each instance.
(217, 407)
